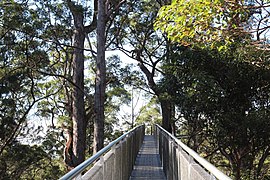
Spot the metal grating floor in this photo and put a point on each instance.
(148, 165)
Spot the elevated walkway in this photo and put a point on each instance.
(136, 156)
(148, 164)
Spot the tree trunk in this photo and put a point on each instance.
(264, 156)
(78, 115)
(77, 152)
(166, 110)
(166, 106)
(100, 79)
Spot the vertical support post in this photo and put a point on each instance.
(101, 160)
(113, 149)
(190, 162)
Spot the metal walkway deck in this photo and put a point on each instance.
(148, 165)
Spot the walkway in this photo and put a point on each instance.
(148, 165)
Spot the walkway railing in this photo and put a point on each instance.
(181, 162)
(115, 161)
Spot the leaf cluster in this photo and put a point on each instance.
(204, 23)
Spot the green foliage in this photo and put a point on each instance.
(119, 79)
(149, 114)
(204, 23)
(23, 57)
(222, 98)
(28, 162)
(224, 102)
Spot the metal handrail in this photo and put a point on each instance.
(81, 167)
(204, 163)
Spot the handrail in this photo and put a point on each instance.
(81, 167)
(204, 163)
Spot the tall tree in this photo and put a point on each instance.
(107, 11)
(44, 55)
(100, 78)
(78, 109)
(149, 48)
(77, 152)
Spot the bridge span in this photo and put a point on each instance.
(136, 156)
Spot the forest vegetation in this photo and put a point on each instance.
(202, 67)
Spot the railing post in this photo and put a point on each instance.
(173, 159)
(114, 161)
(118, 162)
(178, 171)
(167, 155)
(161, 148)
(101, 160)
(170, 160)
(189, 166)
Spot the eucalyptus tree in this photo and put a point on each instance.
(50, 28)
(80, 30)
(119, 78)
(43, 63)
(73, 17)
(135, 36)
(80, 14)
(100, 78)
(106, 10)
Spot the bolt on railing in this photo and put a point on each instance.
(115, 161)
(182, 163)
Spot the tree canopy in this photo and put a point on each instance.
(202, 65)
(214, 23)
